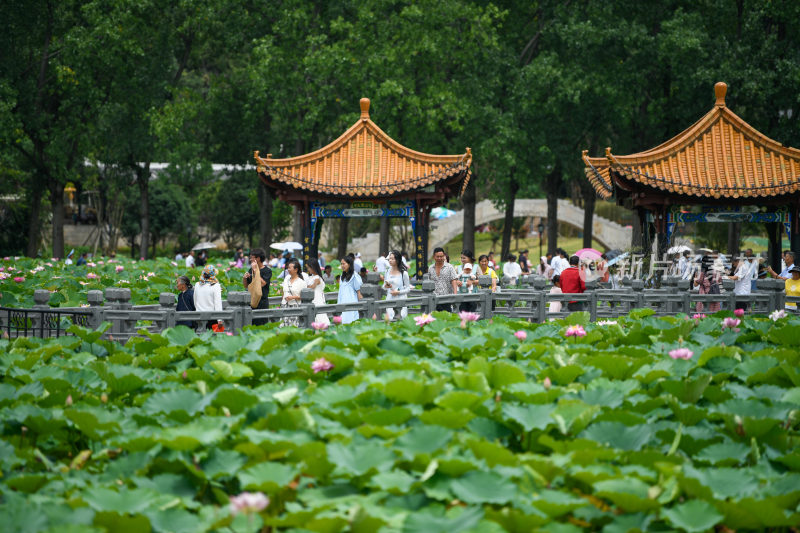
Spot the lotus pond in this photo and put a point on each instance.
(69, 284)
(493, 426)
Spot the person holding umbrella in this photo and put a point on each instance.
(257, 258)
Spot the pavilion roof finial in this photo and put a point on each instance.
(365, 108)
(720, 89)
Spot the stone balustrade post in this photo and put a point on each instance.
(166, 300)
(95, 300)
(428, 287)
(730, 297)
(370, 292)
(239, 301)
(307, 303)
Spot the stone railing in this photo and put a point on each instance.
(529, 300)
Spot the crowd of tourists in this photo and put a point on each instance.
(566, 275)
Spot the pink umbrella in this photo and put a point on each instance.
(589, 253)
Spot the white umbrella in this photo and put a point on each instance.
(617, 259)
(291, 245)
(278, 246)
(204, 246)
(679, 249)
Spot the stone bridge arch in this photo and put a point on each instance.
(604, 231)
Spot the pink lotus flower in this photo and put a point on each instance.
(2, 268)
(120, 268)
(730, 323)
(467, 316)
(337, 320)
(681, 353)
(184, 374)
(739, 313)
(69, 400)
(6, 258)
(92, 265)
(521, 335)
(19, 279)
(91, 275)
(49, 264)
(319, 326)
(575, 331)
(698, 316)
(321, 365)
(423, 319)
(248, 502)
(174, 263)
(547, 383)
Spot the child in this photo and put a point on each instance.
(465, 278)
(555, 307)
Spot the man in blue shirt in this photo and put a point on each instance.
(788, 258)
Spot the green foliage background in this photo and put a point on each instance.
(527, 85)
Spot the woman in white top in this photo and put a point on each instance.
(315, 282)
(511, 269)
(555, 307)
(293, 283)
(208, 292)
(396, 282)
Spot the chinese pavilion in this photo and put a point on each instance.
(366, 173)
(721, 163)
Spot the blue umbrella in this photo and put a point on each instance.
(439, 213)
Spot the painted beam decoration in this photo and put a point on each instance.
(362, 209)
(726, 215)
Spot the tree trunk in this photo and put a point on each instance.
(34, 221)
(553, 183)
(143, 177)
(637, 237)
(508, 225)
(774, 238)
(589, 199)
(341, 247)
(383, 244)
(297, 227)
(264, 215)
(734, 230)
(469, 200)
(57, 204)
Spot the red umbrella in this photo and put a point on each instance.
(589, 253)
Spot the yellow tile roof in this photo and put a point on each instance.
(720, 156)
(365, 162)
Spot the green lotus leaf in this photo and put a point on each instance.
(757, 514)
(202, 431)
(719, 483)
(395, 481)
(459, 400)
(724, 453)
(630, 494)
(505, 373)
(529, 416)
(555, 503)
(268, 477)
(423, 440)
(687, 390)
(618, 435)
(358, 458)
(406, 390)
(447, 417)
(186, 401)
(627, 523)
(477, 487)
